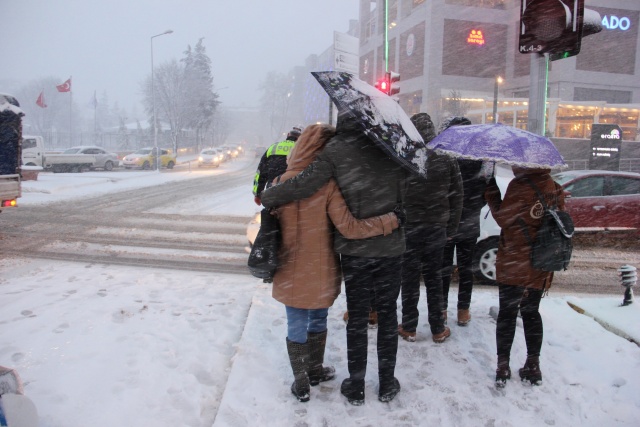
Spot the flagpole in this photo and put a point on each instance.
(71, 111)
(95, 118)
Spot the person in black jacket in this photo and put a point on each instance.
(273, 162)
(463, 242)
(433, 210)
(372, 184)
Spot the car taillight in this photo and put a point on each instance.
(9, 203)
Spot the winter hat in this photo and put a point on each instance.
(294, 133)
(424, 125)
(454, 121)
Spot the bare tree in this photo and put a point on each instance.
(455, 105)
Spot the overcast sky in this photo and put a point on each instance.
(106, 44)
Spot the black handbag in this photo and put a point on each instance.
(263, 259)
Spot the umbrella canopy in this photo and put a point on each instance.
(500, 144)
(381, 117)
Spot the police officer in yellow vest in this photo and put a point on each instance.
(273, 162)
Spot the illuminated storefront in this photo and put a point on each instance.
(450, 54)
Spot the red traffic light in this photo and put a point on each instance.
(383, 86)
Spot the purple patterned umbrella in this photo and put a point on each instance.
(499, 143)
(381, 117)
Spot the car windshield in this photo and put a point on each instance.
(71, 151)
(209, 152)
(143, 151)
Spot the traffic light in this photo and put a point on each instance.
(383, 85)
(394, 85)
(551, 26)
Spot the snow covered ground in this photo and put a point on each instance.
(100, 345)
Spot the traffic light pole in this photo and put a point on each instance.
(538, 93)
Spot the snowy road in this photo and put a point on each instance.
(139, 227)
(195, 220)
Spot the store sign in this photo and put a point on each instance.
(411, 44)
(614, 23)
(606, 141)
(476, 37)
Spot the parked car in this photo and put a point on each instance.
(210, 157)
(595, 199)
(144, 158)
(103, 159)
(602, 199)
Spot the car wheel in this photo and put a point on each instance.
(146, 166)
(484, 261)
(170, 165)
(108, 166)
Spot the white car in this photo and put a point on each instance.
(210, 157)
(103, 159)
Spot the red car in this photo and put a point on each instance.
(602, 199)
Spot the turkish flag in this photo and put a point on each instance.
(40, 101)
(65, 87)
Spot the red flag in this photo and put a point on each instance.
(65, 87)
(40, 101)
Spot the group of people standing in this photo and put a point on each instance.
(348, 212)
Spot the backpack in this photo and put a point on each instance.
(552, 247)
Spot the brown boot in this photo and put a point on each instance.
(406, 335)
(442, 336)
(531, 370)
(463, 317)
(503, 371)
(373, 319)
(299, 358)
(318, 373)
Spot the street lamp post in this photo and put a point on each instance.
(153, 101)
(495, 98)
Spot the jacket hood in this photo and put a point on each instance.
(347, 124)
(424, 125)
(454, 121)
(307, 148)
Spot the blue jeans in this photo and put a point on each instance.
(303, 320)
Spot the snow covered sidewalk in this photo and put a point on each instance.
(590, 374)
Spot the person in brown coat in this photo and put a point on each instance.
(521, 287)
(308, 277)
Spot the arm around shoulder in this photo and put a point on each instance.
(353, 228)
(303, 185)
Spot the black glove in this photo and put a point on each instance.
(401, 214)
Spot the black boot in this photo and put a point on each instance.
(531, 370)
(318, 373)
(389, 388)
(353, 390)
(299, 358)
(503, 371)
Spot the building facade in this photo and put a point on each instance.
(452, 54)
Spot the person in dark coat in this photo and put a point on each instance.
(463, 242)
(372, 184)
(273, 162)
(308, 277)
(521, 287)
(433, 210)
